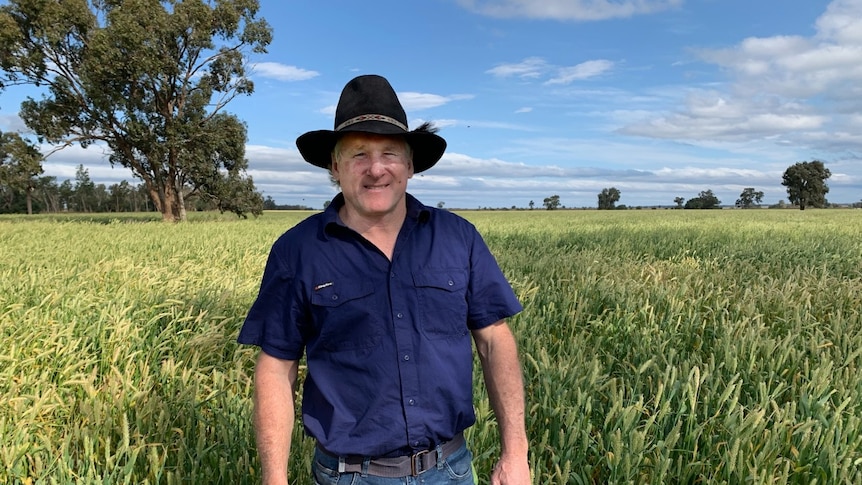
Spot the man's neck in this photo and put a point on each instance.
(381, 231)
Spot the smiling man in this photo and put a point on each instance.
(382, 295)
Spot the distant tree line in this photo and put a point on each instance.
(43, 194)
(270, 205)
(805, 183)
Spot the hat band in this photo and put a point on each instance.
(361, 118)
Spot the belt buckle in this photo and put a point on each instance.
(413, 461)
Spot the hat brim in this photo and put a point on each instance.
(316, 146)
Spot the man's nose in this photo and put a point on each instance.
(378, 165)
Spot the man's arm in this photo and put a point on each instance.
(274, 386)
(498, 353)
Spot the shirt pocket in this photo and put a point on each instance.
(442, 297)
(345, 314)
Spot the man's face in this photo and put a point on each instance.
(372, 171)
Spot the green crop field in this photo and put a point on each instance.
(658, 347)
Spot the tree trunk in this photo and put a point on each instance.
(171, 205)
(181, 202)
(29, 201)
(156, 197)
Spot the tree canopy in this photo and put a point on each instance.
(749, 197)
(552, 202)
(705, 200)
(148, 79)
(806, 184)
(608, 197)
(20, 164)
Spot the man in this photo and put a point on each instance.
(382, 294)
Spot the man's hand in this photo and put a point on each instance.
(511, 472)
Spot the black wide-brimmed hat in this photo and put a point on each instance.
(368, 104)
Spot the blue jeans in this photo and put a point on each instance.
(455, 469)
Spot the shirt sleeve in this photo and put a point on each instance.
(273, 322)
(490, 296)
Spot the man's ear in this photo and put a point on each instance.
(333, 166)
(333, 173)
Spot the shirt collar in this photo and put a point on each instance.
(416, 211)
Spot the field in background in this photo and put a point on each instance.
(658, 347)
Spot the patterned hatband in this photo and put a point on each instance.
(361, 118)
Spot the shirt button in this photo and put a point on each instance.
(451, 283)
(399, 315)
(334, 297)
(411, 402)
(406, 357)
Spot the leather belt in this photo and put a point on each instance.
(400, 466)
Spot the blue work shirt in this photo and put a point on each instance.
(387, 343)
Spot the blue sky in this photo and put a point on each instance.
(658, 98)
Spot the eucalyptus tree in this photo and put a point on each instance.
(552, 202)
(608, 198)
(706, 199)
(20, 164)
(150, 80)
(806, 184)
(749, 198)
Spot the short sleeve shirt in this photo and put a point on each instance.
(387, 343)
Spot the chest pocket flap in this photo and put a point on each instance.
(335, 294)
(447, 279)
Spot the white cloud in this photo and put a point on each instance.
(412, 101)
(13, 123)
(584, 70)
(264, 158)
(529, 68)
(842, 22)
(419, 101)
(787, 90)
(525, 109)
(567, 9)
(282, 72)
(828, 63)
(536, 68)
(692, 127)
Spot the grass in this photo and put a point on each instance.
(658, 347)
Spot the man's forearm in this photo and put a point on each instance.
(505, 384)
(274, 383)
(498, 352)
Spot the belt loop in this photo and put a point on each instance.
(365, 463)
(439, 457)
(341, 465)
